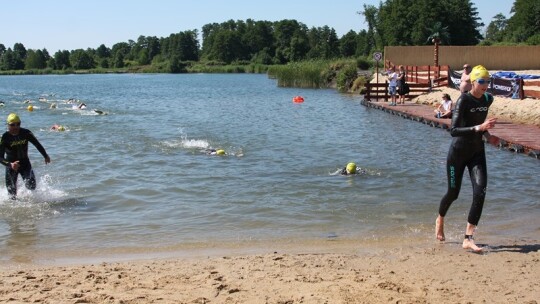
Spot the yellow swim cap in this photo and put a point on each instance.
(13, 118)
(30, 108)
(220, 152)
(479, 71)
(351, 168)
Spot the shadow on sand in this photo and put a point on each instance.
(525, 248)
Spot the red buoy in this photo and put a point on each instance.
(298, 99)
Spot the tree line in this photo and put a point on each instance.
(393, 22)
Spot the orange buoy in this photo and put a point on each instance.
(298, 99)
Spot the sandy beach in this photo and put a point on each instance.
(523, 111)
(392, 270)
(395, 272)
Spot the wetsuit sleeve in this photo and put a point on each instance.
(35, 142)
(459, 125)
(4, 161)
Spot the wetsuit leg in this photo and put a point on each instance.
(11, 182)
(478, 173)
(455, 168)
(28, 177)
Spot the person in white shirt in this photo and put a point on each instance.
(444, 110)
(392, 85)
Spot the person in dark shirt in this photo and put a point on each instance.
(469, 123)
(14, 146)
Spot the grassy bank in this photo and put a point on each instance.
(340, 74)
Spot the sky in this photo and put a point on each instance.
(75, 24)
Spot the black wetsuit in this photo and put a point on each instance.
(467, 151)
(358, 171)
(15, 147)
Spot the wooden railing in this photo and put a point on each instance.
(421, 79)
(527, 88)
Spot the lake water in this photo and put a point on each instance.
(136, 180)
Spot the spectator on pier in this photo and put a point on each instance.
(403, 88)
(444, 110)
(392, 85)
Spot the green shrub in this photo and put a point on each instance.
(359, 84)
(363, 63)
(345, 78)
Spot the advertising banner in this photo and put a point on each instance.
(498, 87)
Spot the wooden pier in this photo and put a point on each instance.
(517, 138)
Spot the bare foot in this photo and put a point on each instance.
(439, 228)
(469, 244)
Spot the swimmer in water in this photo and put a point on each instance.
(56, 127)
(14, 155)
(351, 169)
(214, 152)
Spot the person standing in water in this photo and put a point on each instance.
(469, 124)
(14, 146)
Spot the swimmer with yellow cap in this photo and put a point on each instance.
(350, 169)
(470, 123)
(479, 72)
(13, 118)
(215, 152)
(14, 155)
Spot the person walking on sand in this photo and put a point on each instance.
(14, 145)
(469, 124)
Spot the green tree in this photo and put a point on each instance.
(496, 29)
(410, 22)
(227, 45)
(323, 43)
(525, 22)
(464, 25)
(284, 30)
(348, 44)
(35, 60)
(61, 60)
(177, 66)
(373, 36)
(8, 60)
(363, 45)
(51, 64)
(153, 46)
(19, 53)
(143, 58)
(81, 59)
(299, 46)
(183, 45)
(258, 36)
(103, 52)
(119, 60)
(104, 63)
